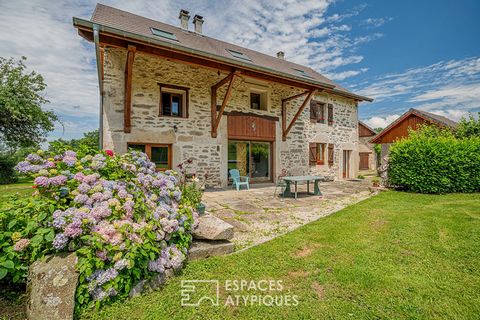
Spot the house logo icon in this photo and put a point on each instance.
(196, 292)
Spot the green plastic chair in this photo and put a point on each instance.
(237, 179)
(280, 181)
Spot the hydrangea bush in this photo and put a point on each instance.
(125, 221)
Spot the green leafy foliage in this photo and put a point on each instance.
(23, 122)
(7, 171)
(433, 160)
(88, 145)
(468, 127)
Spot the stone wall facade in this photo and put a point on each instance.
(190, 137)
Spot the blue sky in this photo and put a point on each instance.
(423, 54)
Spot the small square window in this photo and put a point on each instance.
(255, 101)
(163, 34)
(173, 101)
(160, 154)
(259, 100)
(238, 54)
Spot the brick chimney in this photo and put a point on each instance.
(281, 55)
(198, 22)
(184, 16)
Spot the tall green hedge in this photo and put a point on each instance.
(435, 161)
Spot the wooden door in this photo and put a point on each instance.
(346, 164)
(364, 163)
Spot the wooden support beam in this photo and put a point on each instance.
(225, 100)
(295, 96)
(127, 111)
(216, 119)
(284, 114)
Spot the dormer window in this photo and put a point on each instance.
(238, 54)
(163, 34)
(302, 73)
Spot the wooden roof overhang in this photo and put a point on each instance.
(112, 37)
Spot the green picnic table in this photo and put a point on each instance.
(296, 179)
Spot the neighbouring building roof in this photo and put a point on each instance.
(424, 115)
(130, 25)
(365, 130)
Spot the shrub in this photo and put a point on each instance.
(432, 160)
(124, 220)
(7, 171)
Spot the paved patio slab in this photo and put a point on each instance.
(258, 216)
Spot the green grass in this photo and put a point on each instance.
(22, 187)
(394, 256)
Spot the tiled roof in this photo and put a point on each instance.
(135, 24)
(436, 118)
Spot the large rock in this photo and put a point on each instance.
(213, 228)
(205, 249)
(52, 282)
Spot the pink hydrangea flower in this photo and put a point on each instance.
(21, 245)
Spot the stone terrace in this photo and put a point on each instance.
(257, 216)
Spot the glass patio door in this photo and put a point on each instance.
(252, 159)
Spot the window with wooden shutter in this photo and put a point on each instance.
(330, 114)
(321, 113)
(316, 153)
(330, 155)
(317, 111)
(313, 110)
(312, 152)
(321, 153)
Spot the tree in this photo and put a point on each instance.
(23, 123)
(468, 127)
(86, 145)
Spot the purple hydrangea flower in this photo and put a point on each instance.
(106, 276)
(81, 198)
(58, 180)
(41, 181)
(60, 241)
(70, 153)
(69, 161)
(121, 264)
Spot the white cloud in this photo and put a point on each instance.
(345, 74)
(445, 85)
(43, 32)
(381, 122)
(376, 22)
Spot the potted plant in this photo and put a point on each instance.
(192, 189)
(376, 182)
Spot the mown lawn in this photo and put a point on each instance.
(394, 256)
(23, 187)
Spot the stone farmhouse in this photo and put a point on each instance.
(178, 94)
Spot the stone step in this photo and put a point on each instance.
(212, 228)
(201, 249)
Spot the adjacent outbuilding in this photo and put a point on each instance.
(411, 119)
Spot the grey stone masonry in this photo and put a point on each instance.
(190, 137)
